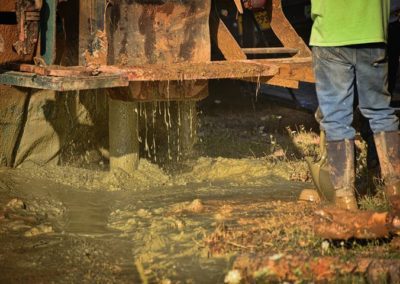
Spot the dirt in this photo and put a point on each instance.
(229, 213)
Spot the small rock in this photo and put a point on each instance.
(309, 195)
(325, 246)
(18, 225)
(39, 230)
(180, 225)
(196, 206)
(233, 277)
(224, 12)
(92, 157)
(16, 204)
(144, 213)
(276, 256)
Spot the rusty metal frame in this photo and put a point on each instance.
(285, 32)
(282, 72)
(292, 69)
(79, 78)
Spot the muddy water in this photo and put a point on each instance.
(129, 235)
(115, 228)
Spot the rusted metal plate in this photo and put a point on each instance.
(7, 6)
(28, 18)
(265, 70)
(163, 72)
(291, 72)
(1, 44)
(135, 33)
(176, 31)
(60, 77)
(19, 29)
(52, 70)
(132, 33)
(299, 69)
(275, 81)
(270, 50)
(92, 43)
(9, 34)
(31, 80)
(194, 71)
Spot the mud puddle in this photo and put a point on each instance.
(150, 235)
(232, 216)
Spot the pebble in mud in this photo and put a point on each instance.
(309, 195)
(196, 206)
(15, 204)
(144, 213)
(233, 277)
(39, 230)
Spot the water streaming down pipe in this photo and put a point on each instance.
(187, 126)
(123, 132)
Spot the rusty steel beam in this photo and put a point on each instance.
(270, 50)
(239, 6)
(194, 71)
(164, 72)
(284, 30)
(32, 80)
(299, 69)
(286, 72)
(291, 69)
(224, 40)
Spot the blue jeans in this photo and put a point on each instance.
(342, 71)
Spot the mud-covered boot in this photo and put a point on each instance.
(320, 172)
(388, 148)
(342, 173)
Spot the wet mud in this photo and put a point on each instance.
(230, 213)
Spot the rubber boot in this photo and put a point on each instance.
(342, 173)
(373, 170)
(320, 172)
(320, 169)
(388, 147)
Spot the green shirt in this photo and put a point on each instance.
(347, 22)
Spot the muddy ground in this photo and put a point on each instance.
(229, 213)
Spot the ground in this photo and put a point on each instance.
(228, 213)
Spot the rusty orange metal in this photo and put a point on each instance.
(128, 41)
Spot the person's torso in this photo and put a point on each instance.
(344, 22)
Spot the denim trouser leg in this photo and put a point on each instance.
(337, 70)
(335, 79)
(373, 94)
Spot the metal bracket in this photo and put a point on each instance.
(28, 17)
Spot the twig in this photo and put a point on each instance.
(197, 243)
(239, 245)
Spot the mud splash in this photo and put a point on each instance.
(148, 175)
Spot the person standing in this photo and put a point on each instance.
(349, 39)
(394, 43)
